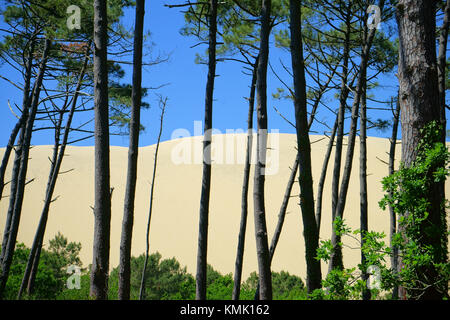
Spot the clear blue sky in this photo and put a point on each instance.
(186, 87)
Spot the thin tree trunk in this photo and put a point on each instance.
(310, 230)
(58, 155)
(26, 101)
(323, 175)
(281, 215)
(442, 68)
(262, 246)
(130, 191)
(147, 235)
(393, 219)
(8, 150)
(327, 155)
(287, 196)
(283, 208)
(341, 117)
(364, 223)
(420, 104)
(102, 198)
(244, 205)
(21, 177)
(336, 260)
(200, 289)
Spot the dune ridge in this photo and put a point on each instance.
(177, 197)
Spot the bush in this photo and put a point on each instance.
(164, 280)
(51, 276)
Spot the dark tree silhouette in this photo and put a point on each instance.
(133, 149)
(102, 197)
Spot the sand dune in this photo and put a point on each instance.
(176, 203)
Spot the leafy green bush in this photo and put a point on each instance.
(284, 287)
(51, 276)
(165, 279)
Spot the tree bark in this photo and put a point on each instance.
(202, 251)
(310, 230)
(102, 200)
(21, 177)
(420, 104)
(262, 246)
(393, 218)
(364, 222)
(130, 189)
(244, 205)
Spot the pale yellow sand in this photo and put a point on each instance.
(176, 203)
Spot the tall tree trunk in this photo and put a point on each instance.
(43, 220)
(364, 223)
(287, 193)
(419, 103)
(22, 173)
(130, 189)
(34, 256)
(341, 117)
(336, 260)
(202, 252)
(244, 205)
(310, 231)
(262, 246)
(442, 67)
(102, 198)
(152, 189)
(26, 101)
(393, 219)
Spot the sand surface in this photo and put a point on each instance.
(174, 222)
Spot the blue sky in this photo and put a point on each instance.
(185, 87)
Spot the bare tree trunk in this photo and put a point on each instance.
(283, 209)
(244, 206)
(323, 175)
(200, 290)
(21, 177)
(393, 219)
(262, 246)
(102, 201)
(442, 67)
(364, 223)
(310, 231)
(128, 215)
(147, 235)
(420, 104)
(336, 260)
(26, 101)
(8, 150)
(287, 194)
(340, 120)
(34, 256)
